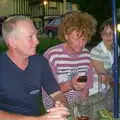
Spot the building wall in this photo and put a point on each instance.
(74, 7)
(35, 8)
(6, 7)
(21, 7)
(52, 8)
(9, 7)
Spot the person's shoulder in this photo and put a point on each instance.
(2, 54)
(85, 53)
(97, 48)
(85, 50)
(3, 58)
(97, 52)
(54, 50)
(38, 58)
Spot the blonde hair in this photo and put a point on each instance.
(9, 24)
(79, 21)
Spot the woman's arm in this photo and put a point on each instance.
(99, 66)
(66, 86)
(101, 71)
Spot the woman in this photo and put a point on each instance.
(102, 57)
(71, 59)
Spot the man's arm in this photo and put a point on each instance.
(58, 112)
(59, 96)
(10, 116)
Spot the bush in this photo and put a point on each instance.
(3, 47)
(46, 43)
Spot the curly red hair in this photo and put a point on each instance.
(79, 21)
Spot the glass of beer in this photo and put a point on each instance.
(82, 118)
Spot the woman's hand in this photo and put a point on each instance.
(106, 78)
(78, 85)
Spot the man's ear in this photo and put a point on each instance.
(11, 41)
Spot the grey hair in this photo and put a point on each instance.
(9, 24)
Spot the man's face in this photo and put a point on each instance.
(107, 35)
(75, 41)
(25, 40)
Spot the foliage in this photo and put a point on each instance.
(3, 47)
(98, 8)
(46, 43)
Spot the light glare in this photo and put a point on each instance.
(45, 2)
(118, 27)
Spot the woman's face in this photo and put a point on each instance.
(75, 41)
(107, 36)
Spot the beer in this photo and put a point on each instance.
(83, 118)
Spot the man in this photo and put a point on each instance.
(22, 74)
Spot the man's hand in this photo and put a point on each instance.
(59, 112)
(59, 96)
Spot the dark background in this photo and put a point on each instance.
(100, 9)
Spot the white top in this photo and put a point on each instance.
(101, 53)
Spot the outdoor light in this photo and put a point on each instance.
(118, 27)
(45, 2)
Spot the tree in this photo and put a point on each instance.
(100, 9)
